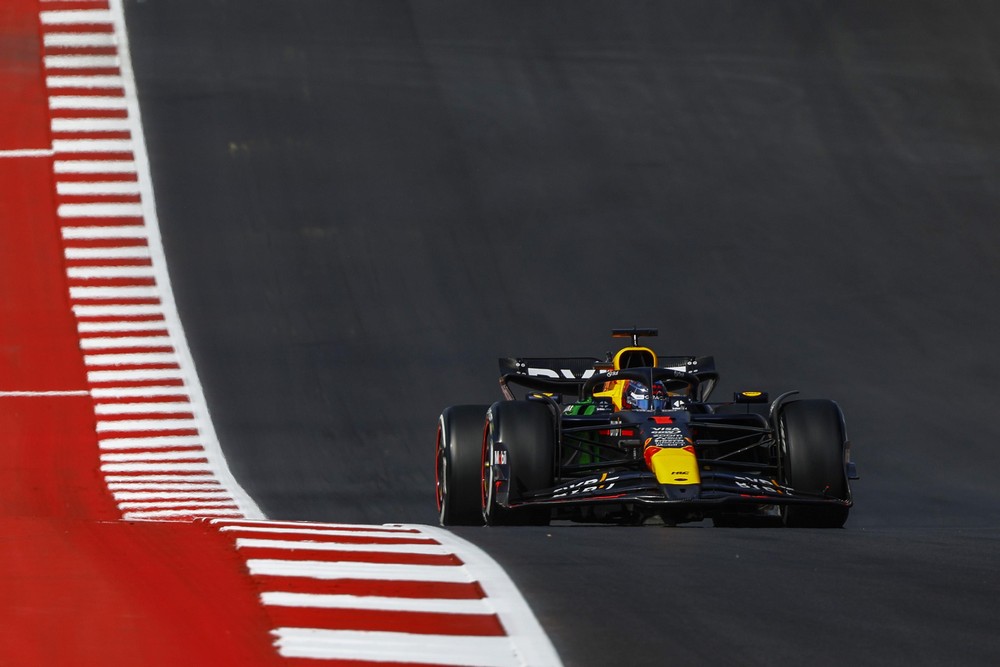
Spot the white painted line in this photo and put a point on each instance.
(94, 167)
(63, 125)
(153, 515)
(76, 16)
(156, 467)
(98, 330)
(133, 252)
(207, 478)
(99, 210)
(98, 188)
(163, 441)
(78, 39)
(431, 605)
(303, 545)
(82, 61)
(80, 233)
(104, 328)
(129, 425)
(93, 145)
(135, 375)
(278, 530)
(125, 341)
(113, 293)
(76, 102)
(71, 81)
(162, 486)
(385, 529)
(204, 497)
(15, 394)
(90, 272)
(132, 359)
(26, 152)
(533, 645)
(144, 505)
(140, 408)
(152, 456)
(119, 310)
(317, 569)
(136, 392)
(396, 647)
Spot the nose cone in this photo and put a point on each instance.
(673, 466)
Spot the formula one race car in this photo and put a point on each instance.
(634, 437)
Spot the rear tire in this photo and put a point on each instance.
(526, 430)
(812, 439)
(457, 461)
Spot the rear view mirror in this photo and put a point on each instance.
(750, 397)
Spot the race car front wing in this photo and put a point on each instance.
(642, 488)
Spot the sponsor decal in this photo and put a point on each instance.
(604, 482)
(562, 374)
(758, 484)
(667, 436)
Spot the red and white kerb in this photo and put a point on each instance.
(159, 454)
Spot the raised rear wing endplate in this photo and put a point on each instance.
(557, 375)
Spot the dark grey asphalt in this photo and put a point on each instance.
(365, 203)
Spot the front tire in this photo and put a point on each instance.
(457, 465)
(525, 430)
(812, 438)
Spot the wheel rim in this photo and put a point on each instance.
(486, 495)
(440, 477)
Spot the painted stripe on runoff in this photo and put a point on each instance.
(136, 252)
(90, 233)
(150, 442)
(95, 167)
(300, 545)
(81, 16)
(25, 152)
(78, 40)
(395, 647)
(80, 62)
(98, 187)
(320, 569)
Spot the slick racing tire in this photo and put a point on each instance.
(812, 460)
(526, 431)
(457, 461)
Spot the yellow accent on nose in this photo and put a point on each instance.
(675, 465)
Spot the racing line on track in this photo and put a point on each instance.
(388, 594)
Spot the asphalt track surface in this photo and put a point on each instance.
(366, 203)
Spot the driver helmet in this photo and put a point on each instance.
(635, 396)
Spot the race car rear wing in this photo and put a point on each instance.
(567, 375)
(554, 375)
(701, 367)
